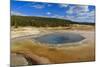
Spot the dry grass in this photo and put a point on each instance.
(73, 27)
(55, 55)
(83, 27)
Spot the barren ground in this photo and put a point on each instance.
(81, 51)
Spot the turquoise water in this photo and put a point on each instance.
(60, 38)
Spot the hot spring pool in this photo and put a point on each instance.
(59, 38)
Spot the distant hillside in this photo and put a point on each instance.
(42, 21)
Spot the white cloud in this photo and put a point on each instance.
(17, 13)
(77, 9)
(48, 13)
(83, 17)
(63, 5)
(80, 14)
(38, 6)
(87, 16)
(56, 16)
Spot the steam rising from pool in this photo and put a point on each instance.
(60, 38)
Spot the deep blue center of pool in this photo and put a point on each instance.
(60, 38)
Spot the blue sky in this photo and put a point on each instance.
(78, 13)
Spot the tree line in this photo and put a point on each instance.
(41, 21)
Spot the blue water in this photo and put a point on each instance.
(60, 38)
